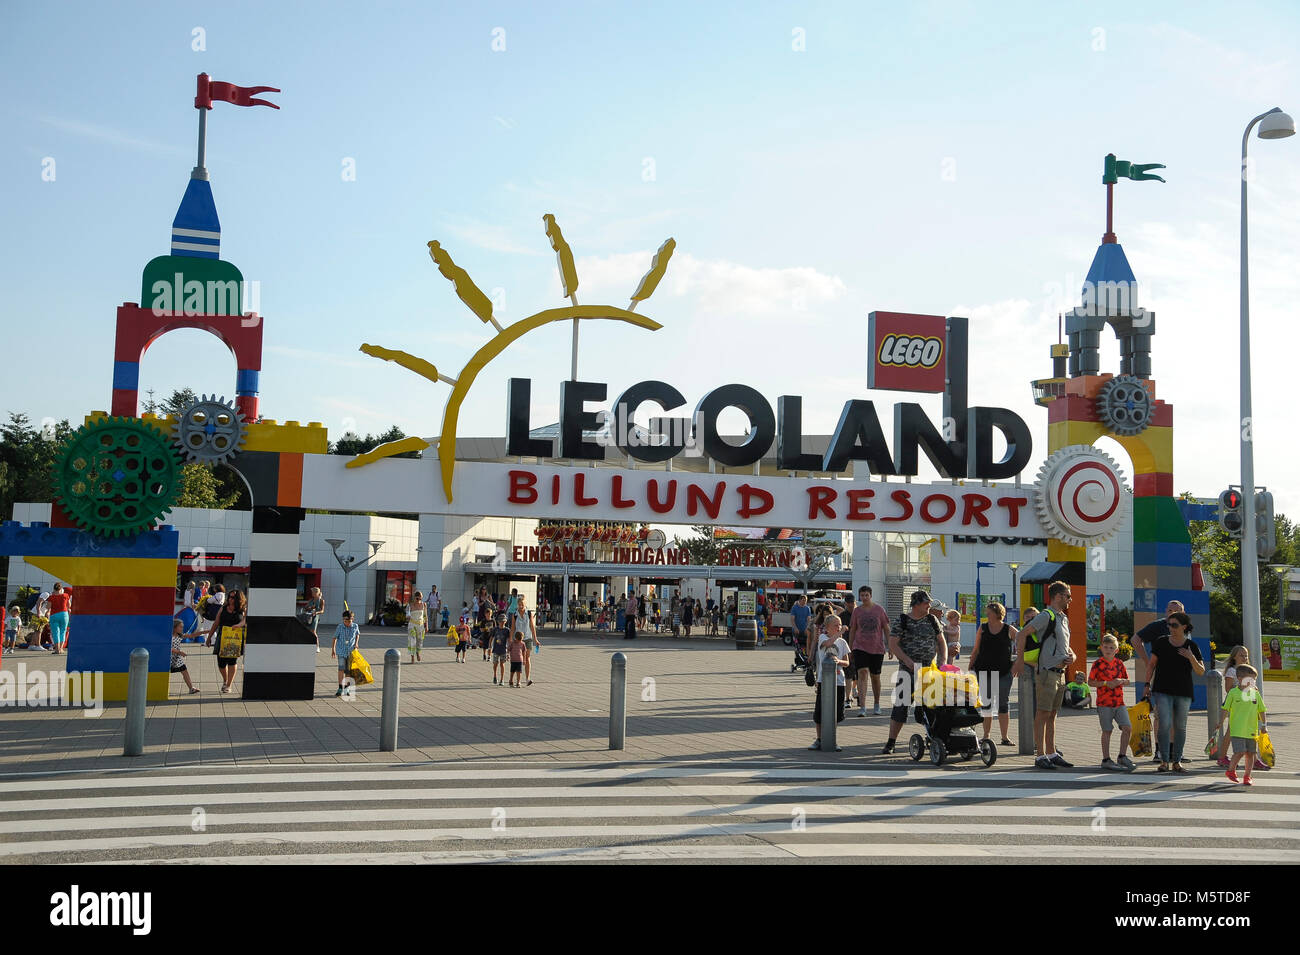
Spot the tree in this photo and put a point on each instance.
(1219, 555)
(178, 402)
(704, 548)
(27, 457)
(352, 443)
(202, 486)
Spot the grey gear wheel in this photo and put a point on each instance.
(1124, 405)
(209, 431)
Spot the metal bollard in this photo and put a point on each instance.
(1025, 723)
(830, 704)
(388, 706)
(137, 688)
(1213, 701)
(617, 701)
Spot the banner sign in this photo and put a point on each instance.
(966, 606)
(907, 352)
(746, 603)
(670, 497)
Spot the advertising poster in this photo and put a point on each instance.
(1281, 657)
(746, 603)
(1093, 609)
(966, 606)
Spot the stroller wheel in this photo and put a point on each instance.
(988, 752)
(788, 639)
(938, 752)
(793, 667)
(916, 747)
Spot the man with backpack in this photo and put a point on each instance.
(1045, 642)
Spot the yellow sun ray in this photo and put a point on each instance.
(388, 450)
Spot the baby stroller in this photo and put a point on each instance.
(800, 658)
(948, 706)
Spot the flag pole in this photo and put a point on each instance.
(1109, 237)
(200, 171)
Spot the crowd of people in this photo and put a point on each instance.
(859, 637)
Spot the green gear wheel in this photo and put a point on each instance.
(117, 476)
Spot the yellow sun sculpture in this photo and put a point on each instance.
(481, 305)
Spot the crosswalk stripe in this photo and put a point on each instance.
(1057, 833)
(626, 791)
(1000, 777)
(1153, 854)
(223, 820)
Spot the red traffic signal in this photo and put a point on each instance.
(1230, 517)
(1231, 499)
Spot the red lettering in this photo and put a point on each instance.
(659, 557)
(696, 498)
(579, 555)
(534, 554)
(925, 508)
(616, 493)
(522, 487)
(904, 498)
(635, 556)
(973, 507)
(652, 496)
(746, 493)
(1013, 506)
(568, 554)
(555, 489)
(514, 554)
(819, 502)
(859, 505)
(579, 487)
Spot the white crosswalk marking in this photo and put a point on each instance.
(631, 812)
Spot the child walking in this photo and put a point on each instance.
(178, 655)
(347, 637)
(1108, 676)
(516, 658)
(463, 645)
(500, 651)
(1244, 710)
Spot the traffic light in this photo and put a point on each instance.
(1230, 518)
(1265, 526)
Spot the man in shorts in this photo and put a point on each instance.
(802, 613)
(1052, 627)
(868, 634)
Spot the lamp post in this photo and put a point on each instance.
(979, 615)
(1015, 590)
(1284, 584)
(350, 563)
(1274, 124)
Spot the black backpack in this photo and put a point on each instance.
(211, 609)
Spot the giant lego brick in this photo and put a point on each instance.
(110, 571)
(1154, 600)
(1152, 575)
(290, 437)
(39, 539)
(125, 600)
(1158, 519)
(1162, 553)
(1154, 484)
(105, 641)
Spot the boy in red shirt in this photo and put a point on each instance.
(1108, 676)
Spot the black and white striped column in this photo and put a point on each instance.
(280, 651)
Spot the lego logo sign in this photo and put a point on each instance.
(907, 352)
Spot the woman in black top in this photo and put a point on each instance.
(1171, 663)
(233, 614)
(991, 662)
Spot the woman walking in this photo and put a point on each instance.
(523, 623)
(227, 637)
(60, 605)
(990, 660)
(417, 614)
(917, 641)
(1170, 665)
(312, 611)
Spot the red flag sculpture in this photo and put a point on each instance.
(230, 93)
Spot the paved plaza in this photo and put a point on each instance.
(716, 770)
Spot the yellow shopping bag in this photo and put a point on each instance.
(1140, 717)
(359, 669)
(232, 642)
(1265, 753)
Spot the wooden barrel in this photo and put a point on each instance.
(746, 633)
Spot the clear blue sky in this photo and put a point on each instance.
(929, 157)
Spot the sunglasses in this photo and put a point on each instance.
(1174, 623)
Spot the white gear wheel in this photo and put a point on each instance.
(1080, 493)
(209, 431)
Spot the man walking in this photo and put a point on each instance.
(802, 613)
(868, 632)
(629, 616)
(1051, 629)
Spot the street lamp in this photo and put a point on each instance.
(1274, 124)
(1284, 584)
(1015, 591)
(350, 563)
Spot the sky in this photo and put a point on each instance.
(813, 162)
